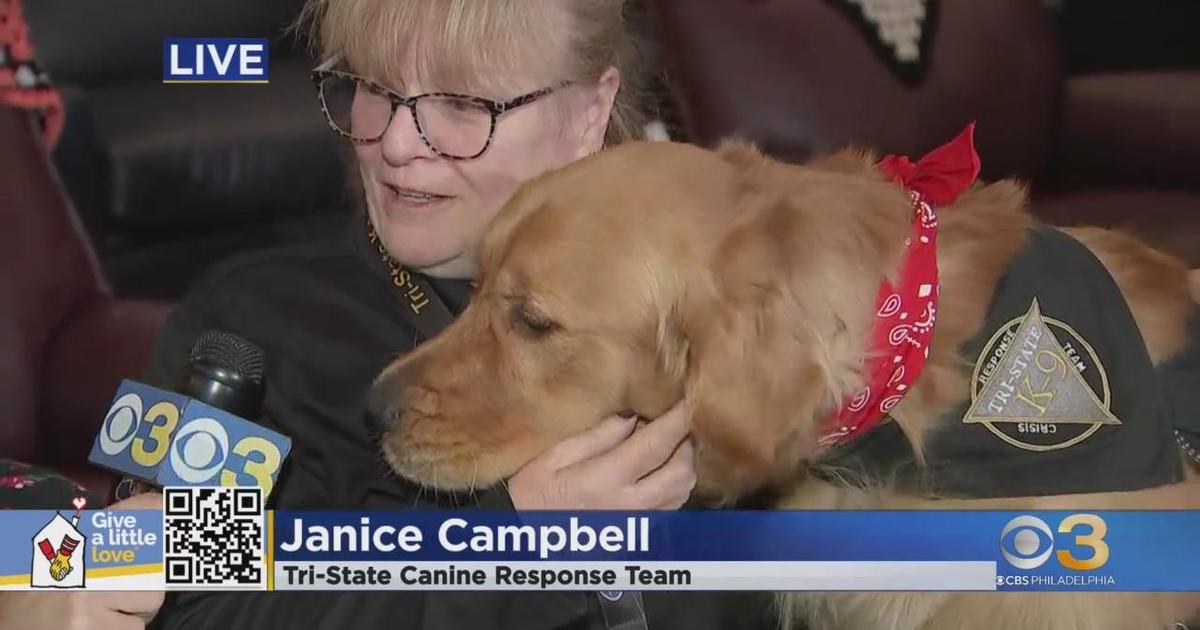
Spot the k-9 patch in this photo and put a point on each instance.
(1039, 385)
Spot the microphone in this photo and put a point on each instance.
(225, 371)
(198, 434)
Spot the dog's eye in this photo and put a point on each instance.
(533, 321)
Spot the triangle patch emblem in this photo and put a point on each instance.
(1033, 381)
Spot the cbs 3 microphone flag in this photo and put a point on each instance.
(199, 435)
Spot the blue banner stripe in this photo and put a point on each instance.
(1095, 551)
(1059, 550)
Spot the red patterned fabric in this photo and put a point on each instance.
(22, 84)
(943, 174)
(906, 312)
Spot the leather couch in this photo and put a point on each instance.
(65, 341)
(170, 178)
(1118, 148)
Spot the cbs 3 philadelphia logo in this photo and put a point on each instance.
(199, 450)
(1027, 542)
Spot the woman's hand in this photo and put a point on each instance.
(79, 610)
(610, 467)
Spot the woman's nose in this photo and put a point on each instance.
(401, 141)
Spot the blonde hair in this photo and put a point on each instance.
(479, 46)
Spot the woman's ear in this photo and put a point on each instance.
(597, 109)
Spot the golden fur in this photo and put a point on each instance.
(656, 271)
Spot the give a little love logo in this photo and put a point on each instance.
(58, 552)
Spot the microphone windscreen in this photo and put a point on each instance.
(229, 352)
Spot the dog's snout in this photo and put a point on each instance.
(386, 400)
(384, 403)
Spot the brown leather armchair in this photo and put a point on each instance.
(799, 77)
(65, 342)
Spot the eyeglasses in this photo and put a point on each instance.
(455, 126)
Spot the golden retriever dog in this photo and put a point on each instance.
(654, 272)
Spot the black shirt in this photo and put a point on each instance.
(329, 320)
(1003, 442)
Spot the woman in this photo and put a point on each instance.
(449, 106)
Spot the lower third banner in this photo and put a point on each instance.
(223, 538)
(719, 551)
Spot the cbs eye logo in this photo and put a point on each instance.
(1027, 542)
(199, 450)
(202, 449)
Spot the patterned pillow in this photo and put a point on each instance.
(22, 84)
(900, 31)
(28, 487)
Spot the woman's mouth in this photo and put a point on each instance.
(412, 197)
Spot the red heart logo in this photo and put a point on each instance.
(79, 502)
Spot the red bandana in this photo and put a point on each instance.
(906, 311)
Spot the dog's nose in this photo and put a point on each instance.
(386, 399)
(383, 405)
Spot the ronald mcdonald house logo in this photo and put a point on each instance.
(59, 552)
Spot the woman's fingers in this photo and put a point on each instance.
(650, 447)
(140, 604)
(670, 486)
(145, 501)
(113, 620)
(557, 480)
(612, 467)
(592, 442)
(93, 610)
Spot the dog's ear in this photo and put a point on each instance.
(759, 363)
(753, 386)
(775, 328)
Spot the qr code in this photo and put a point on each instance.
(213, 537)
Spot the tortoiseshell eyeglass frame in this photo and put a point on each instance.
(495, 108)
